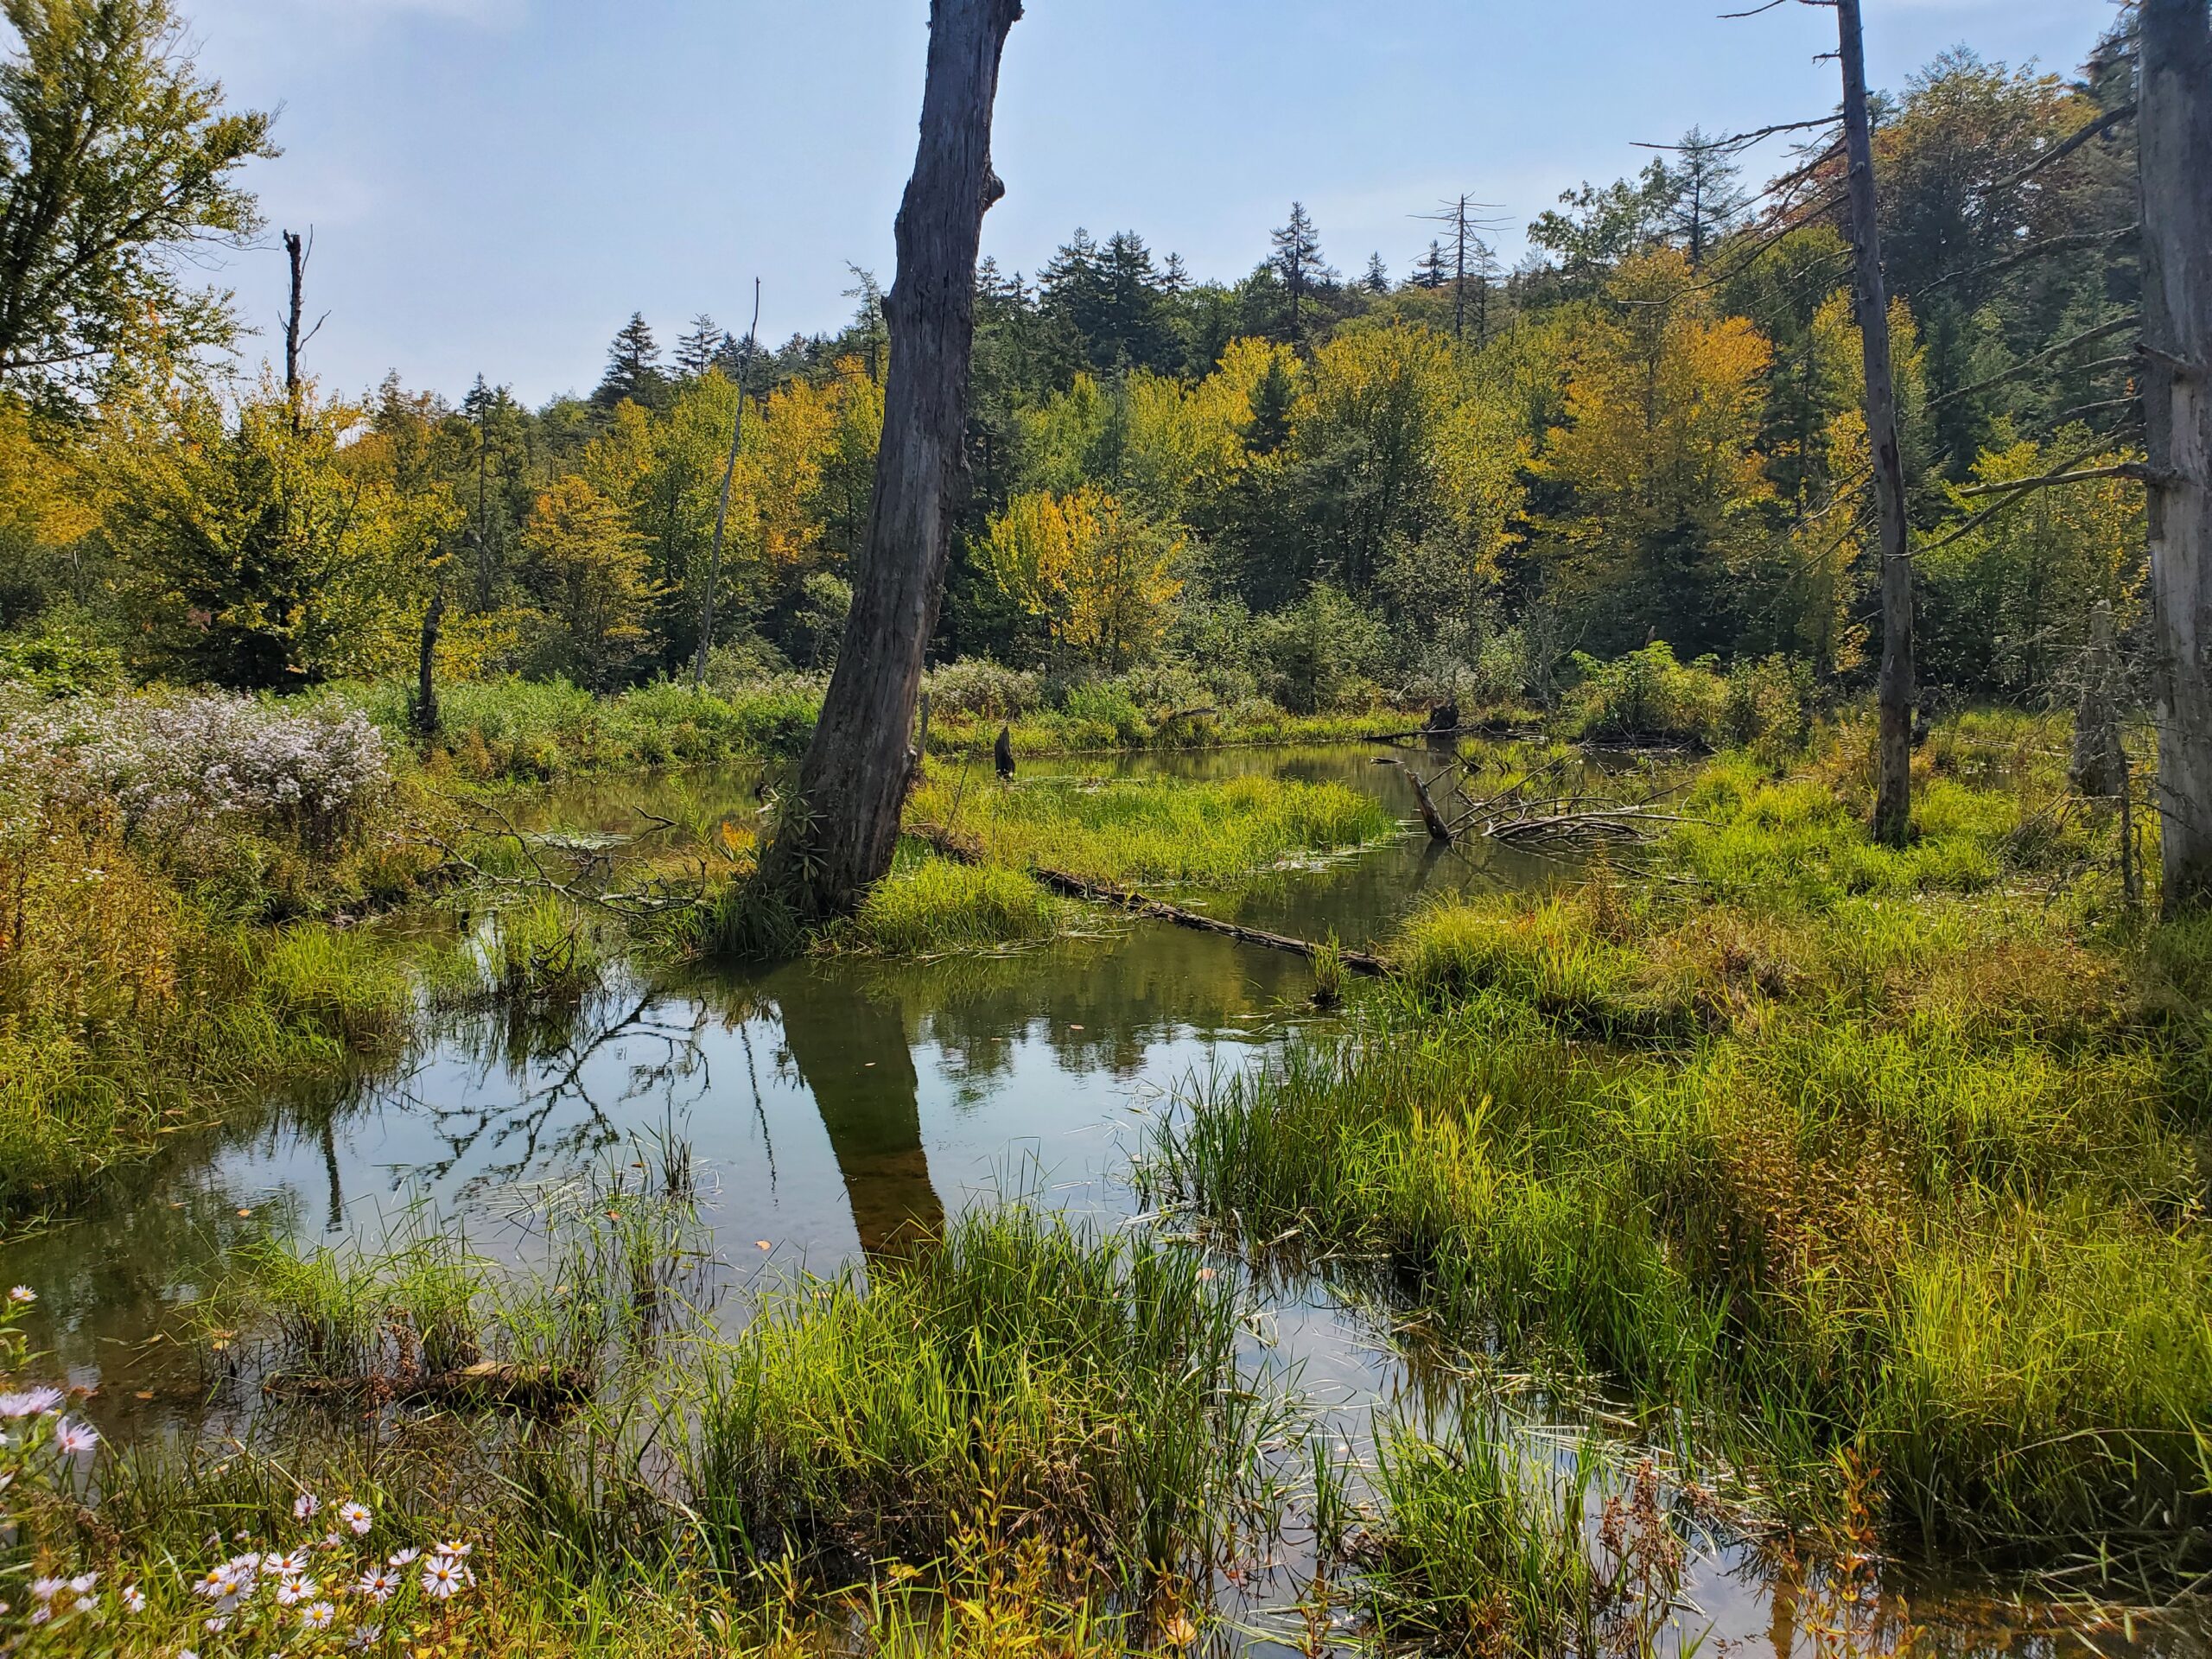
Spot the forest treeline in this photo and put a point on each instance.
(1302, 485)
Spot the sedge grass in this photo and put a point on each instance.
(930, 905)
(1915, 1173)
(1492, 1542)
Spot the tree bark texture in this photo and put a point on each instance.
(2175, 136)
(837, 838)
(1893, 789)
(426, 681)
(295, 252)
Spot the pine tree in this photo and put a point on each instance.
(1298, 262)
(1707, 200)
(633, 369)
(1435, 268)
(1272, 401)
(701, 348)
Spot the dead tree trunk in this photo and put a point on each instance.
(295, 252)
(2099, 763)
(2176, 147)
(839, 836)
(426, 684)
(722, 507)
(1893, 792)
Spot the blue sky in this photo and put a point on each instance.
(496, 184)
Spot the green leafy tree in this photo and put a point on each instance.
(116, 160)
(262, 553)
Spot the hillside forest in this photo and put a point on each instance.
(1323, 483)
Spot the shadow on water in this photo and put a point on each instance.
(850, 1050)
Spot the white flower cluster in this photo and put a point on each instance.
(167, 764)
(329, 1595)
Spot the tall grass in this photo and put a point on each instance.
(1493, 1543)
(929, 906)
(1837, 1150)
(1024, 1373)
(210, 1019)
(520, 731)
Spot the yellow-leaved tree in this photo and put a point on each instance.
(591, 577)
(1099, 576)
(2009, 603)
(1666, 486)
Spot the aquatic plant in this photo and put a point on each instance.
(1079, 1389)
(930, 904)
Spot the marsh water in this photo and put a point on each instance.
(834, 1107)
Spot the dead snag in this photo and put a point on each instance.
(840, 836)
(2175, 134)
(1893, 796)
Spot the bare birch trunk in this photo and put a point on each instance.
(838, 838)
(1893, 793)
(2176, 146)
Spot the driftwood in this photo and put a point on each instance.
(1438, 828)
(1522, 813)
(955, 846)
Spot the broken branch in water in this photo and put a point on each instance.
(963, 850)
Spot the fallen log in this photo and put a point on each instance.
(954, 846)
(488, 1383)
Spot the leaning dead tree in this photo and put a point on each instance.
(1893, 791)
(2175, 145)
(841, 824)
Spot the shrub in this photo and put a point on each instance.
(1770, 705)
(980, 688)
(177, 766)
(1647, 694)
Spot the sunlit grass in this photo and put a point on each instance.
(933, 904)
(1200, 833)
(1835, 1147)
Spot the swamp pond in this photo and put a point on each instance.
(837, 1106)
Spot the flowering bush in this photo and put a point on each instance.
(325, 1590)
(164, 765)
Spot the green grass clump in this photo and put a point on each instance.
(934, 904)
(1079, 1389)
(1488, 1544)
(210, 1017)
(1200, 833)
(518, 731)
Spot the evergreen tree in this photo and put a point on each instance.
(1707, 199)
(1434, 268)
(1377, 279)
(633, 369)
(1297, 263)
(702, 347)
